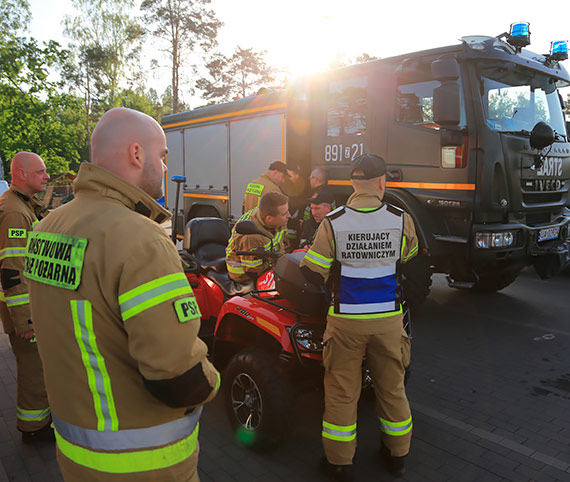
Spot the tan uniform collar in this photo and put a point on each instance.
(256, 215)
(33, 201)
(266, 177)
(98, 180)
(364, 199)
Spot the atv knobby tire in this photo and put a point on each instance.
(258, 398)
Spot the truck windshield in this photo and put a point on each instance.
(515, 99)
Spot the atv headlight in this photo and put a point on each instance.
(308, 339)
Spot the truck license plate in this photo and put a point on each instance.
(548, 233)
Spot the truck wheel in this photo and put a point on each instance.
(257, 397)
(416, 280)
(496, 281)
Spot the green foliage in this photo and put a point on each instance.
(240, 75)
(14, 16)
(183, 27)
(36, 116)
(105, 41)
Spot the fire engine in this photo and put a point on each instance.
(474, 136)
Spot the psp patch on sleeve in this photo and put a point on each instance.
(17, 233)
(187, 309)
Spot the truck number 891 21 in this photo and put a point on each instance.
(340, 152)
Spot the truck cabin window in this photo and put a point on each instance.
(414, 103)
(347, 106)
(515, 99)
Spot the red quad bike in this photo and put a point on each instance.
(267, 339)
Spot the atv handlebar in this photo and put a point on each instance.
(260, 253)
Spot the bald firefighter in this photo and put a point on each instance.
(20, 210)
(271, 218)
(270, 181)
(357, 250)
(125, 372)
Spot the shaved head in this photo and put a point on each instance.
(29, 172)
(132, 145)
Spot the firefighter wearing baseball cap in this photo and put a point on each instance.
(271, 219)
(321, 204)
(269, 181)
(20, 210)
(116, 319)
(357, 250)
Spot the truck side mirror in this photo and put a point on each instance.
(446, 97)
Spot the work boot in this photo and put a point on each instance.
(336, 473)
(395, 465)
(44, 434)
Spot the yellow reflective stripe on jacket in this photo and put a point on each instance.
(12, 253)
(340, 433)
(234, 267)
(412, 252)
(97, 375)
(20, 299)
(319, 259)
(396, 428)
(276, 240)
(32, 415)
(364, 316)
(153, 293)
(251, 263)
(130, 462)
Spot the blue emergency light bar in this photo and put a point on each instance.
(178, 179)
(519, 36)
(559, 50)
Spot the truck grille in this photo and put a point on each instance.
(542, 191)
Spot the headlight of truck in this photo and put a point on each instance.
(308, 339)
(502, 239)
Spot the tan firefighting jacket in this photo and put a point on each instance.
(117, 325)
(243, 268)
(255, 189)
(321, 256)
(18, 214)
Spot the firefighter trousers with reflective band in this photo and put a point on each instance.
(387, 354)
(33, 411)
(166, 452)
(185, 471)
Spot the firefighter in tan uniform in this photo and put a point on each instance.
(271, 218)
(357, 249)
(19, 212)
(116, 319)
(270, 181)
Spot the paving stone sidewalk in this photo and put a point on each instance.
(490, 394)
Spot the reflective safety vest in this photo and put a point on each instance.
(129, 451)
(368, 247)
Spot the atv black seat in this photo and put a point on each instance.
(229, 287)
(206, 240)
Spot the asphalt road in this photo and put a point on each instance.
(490, 395)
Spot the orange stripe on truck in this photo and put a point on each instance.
(207, 196)
(418, 185)
(228, 114)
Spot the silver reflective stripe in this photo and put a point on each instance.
(130, 439)
(367, 307)
(339, 433)
(368, 273)
(153, 293)
(94, 364)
